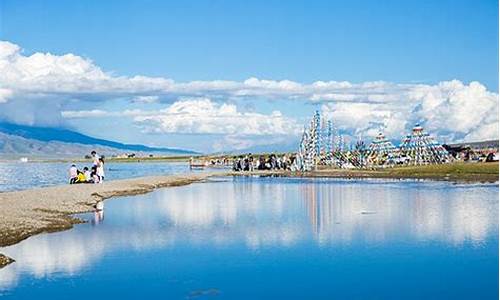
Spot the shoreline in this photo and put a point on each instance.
(49, 209)
(457, 172)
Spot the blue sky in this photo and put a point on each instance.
(400, 42)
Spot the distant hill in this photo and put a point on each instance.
(21, 139)
(478, 145)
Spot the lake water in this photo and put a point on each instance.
(272, 238)
(21, 176)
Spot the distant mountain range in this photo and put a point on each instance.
(478, 145)
(51, 142)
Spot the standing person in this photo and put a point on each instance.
(262, 163)
(95, 158)
(285, 162)
(73, 174)
(100, 170)
(250, 161)
(272, 162)
(279, 163)
(246, 163)
(240, 163)
(235, 163)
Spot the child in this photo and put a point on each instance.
(95, 177)
(73, 173)
(86, 172)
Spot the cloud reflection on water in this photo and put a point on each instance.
(261, 213)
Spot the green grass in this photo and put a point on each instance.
(471, 171)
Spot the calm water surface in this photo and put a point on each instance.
(272, 238)
(39, 174)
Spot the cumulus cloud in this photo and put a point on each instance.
(452, 110)
(459, 111)
(202, 116)
(36, 88)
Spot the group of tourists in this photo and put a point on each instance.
(93, 175)
(273, 162)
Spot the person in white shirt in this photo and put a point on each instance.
(100, 170)
(73, 174)
(88, 176)
(95, 158)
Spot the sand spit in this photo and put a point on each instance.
(29, 212)
(5, 260)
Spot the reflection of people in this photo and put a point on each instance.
(98, 217)
(99, 213)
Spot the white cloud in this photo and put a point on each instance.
(76, 114)
(4, 95)
(232, 128)
(69, 74)
(36, 88)
(202, 116)
(451, 110)
(458, 110)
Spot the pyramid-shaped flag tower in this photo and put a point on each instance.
(419, 148)
(381, 151)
